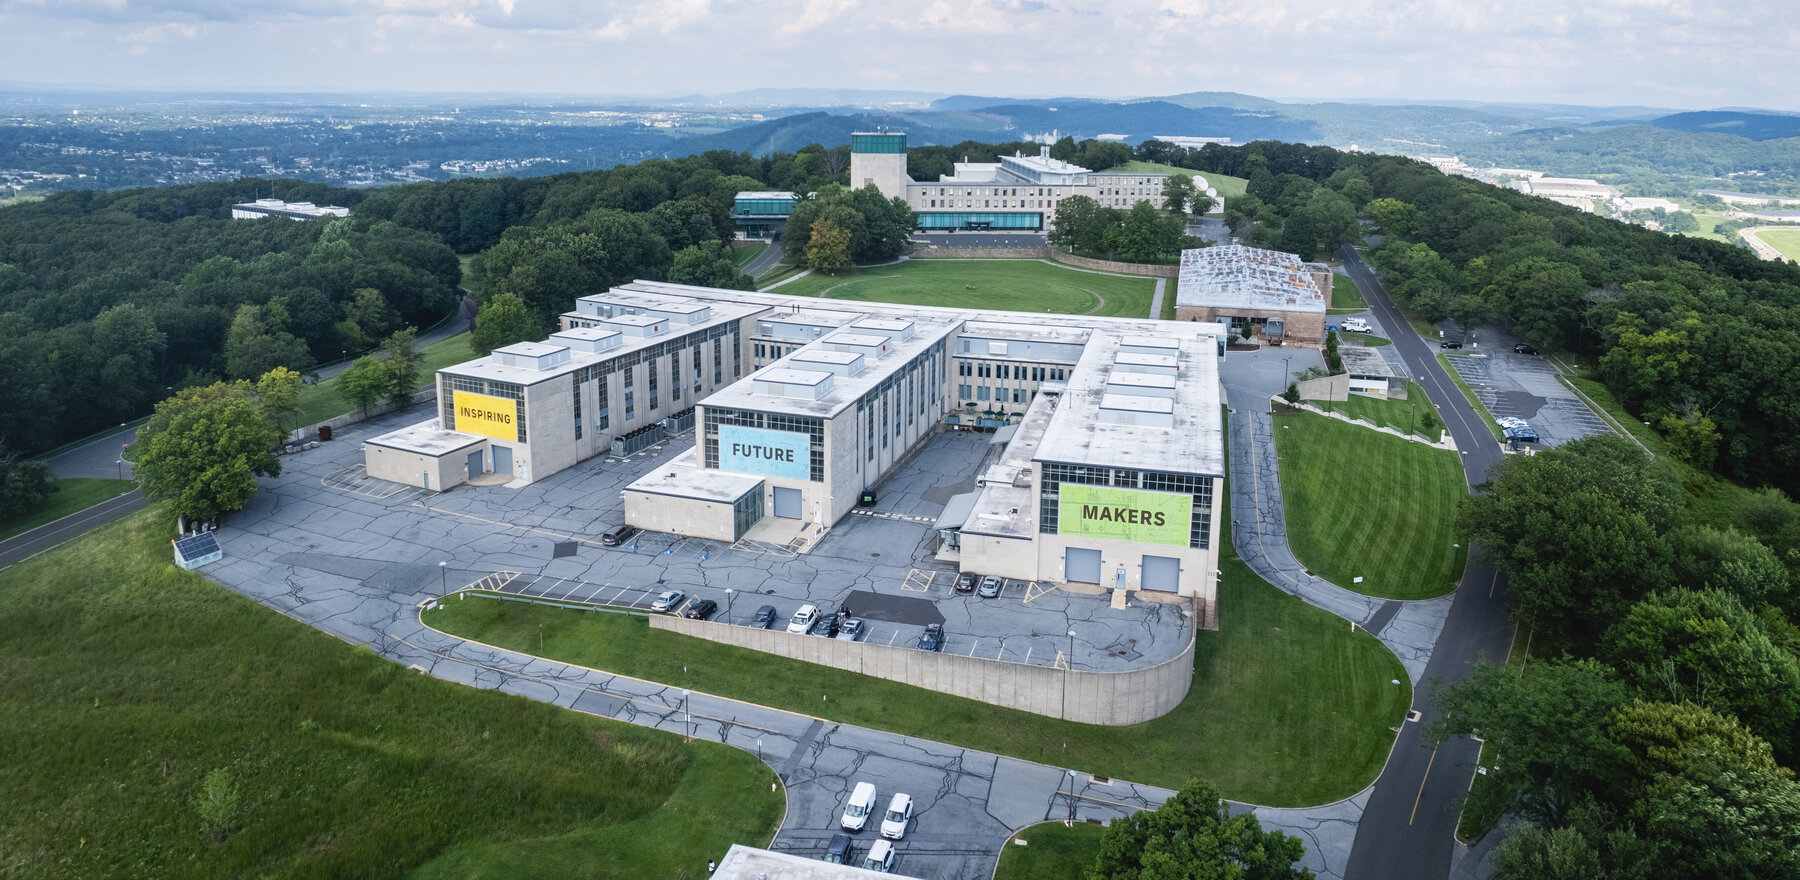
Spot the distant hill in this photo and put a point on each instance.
(976, 102)
(1233, 100)
(1755, 126)
(790, 133)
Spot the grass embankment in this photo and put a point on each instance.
(1365, 504)
(1368, 339)
(129, 680)
(1052, 851)
(744, 253)
(1011, 285)
(72, 495)
(1288, 706)
(1227, 186)
(322, 400)
(1408, 415)
(1345, 297)
(1487, 418)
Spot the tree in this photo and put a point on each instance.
(1693, 438)
(1547, 729)
(1194, 835)
(503, 320)
(1080, 225)
(24, 484)
(401, 366)
(1731, 561)
(258, 342)
(1178, 191)
(1394, 218)
(1334, 362)
(709, 265)
(828, 248)
(364, 383)
(204, 448)
(1144, 234)
(369, 311)
(1594, 844)
(278, 393)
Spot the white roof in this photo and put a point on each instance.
(1241, 277)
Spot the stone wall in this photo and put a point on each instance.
(311, 432)
(1113, 265)
(978, 253)
(1114, 698)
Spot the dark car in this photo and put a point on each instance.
(933, 639)
(840, 850)
(764, 617)
(1522, 348)
(826, 625)
(701, 609)
(1450, 343)
(965, 582)
(1522, 435)
(617, 535)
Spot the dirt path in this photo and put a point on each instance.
(1101, 304)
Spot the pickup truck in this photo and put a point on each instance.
(1357, 325)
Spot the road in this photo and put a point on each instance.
(764, 261)
(1409, 827)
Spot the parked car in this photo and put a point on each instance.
(1511, 422)
(803, 619)
(965, 582)
(1526, 434)
(1522, 348)
(668, 600)
(701, 609)
(990, 587)
(933, 639)
(825, 625)
(853, 630)
(841, 850)
(858, 808)
(899, 815)
(881, 857)
(1450, 343)
(617, 535)
(764, 617)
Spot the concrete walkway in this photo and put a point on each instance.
(1157, 298)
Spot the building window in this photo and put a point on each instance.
(675, 378)
(718, 362)
(983, 392)
(697, 380)
(650, 368)
(603, 418)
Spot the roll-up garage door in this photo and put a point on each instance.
(1162, 573)
(1081, 565)
(502, 460)
(787, 502)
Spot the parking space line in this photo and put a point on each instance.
(918, 581)
(615, 599)
(596, 592)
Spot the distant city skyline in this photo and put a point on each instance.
(1657, 53)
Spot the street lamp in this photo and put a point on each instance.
(687, 719)
(444, 576)
(1071, 795)
(728, 592)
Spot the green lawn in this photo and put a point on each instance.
(129, 680)
(1011, 285)
(1368, 339)
(1401, 415)
(1345, 297)
(1365, 504)
(1787, 241)
(1288, 706)
(1052, 851)
(1227, 186)
(465, 262)
(73, 494)
(744, 253)
(1469, 395)
(322, 401)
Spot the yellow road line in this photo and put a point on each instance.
(1421, 794)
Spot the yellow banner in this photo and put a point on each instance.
(1140, 516)
(496, 417)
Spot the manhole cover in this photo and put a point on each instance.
(873, 555)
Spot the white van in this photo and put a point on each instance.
(862, 803)
(1357, 325)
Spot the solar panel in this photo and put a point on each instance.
(194, 551)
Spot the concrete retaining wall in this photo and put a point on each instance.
(311, 432)
(1113, 698)
(977, 253)
(1113, 265)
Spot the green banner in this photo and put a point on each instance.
(1124, 514)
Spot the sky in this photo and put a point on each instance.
(1660, 53)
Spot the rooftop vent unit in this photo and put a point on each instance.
(532, 355)
(590, 340)
(1143, 412)
(800, 384)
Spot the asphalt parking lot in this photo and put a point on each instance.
(1524, 386)
(541, 541)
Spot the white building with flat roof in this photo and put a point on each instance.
(1274, 292)
(292, 210)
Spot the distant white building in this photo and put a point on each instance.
(292, 210)
(1192, 143)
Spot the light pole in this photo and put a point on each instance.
(444, 576)
(1071, 795)
(687, 718)
(728, 592)
(1070, 660)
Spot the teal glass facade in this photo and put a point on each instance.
(980, 220)
(762, 207)
(877, 143)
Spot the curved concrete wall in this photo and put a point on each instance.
(1115, 266)
(1113, 698)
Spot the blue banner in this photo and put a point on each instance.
(765, 452)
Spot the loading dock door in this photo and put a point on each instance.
(503, 459)
(474, 464)
(1081, 565)
(787, 503)
(1162, 573)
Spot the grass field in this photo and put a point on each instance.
(1052, 851)
(1227, 186)
(747, 252)
(1345, 297)
(1013, 285)
(129, 681)
(1288, 706)
(1401, 415)
(322, 400)
(1787, 241)
(73, 494)
(1365, 504)
(1368, 339)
